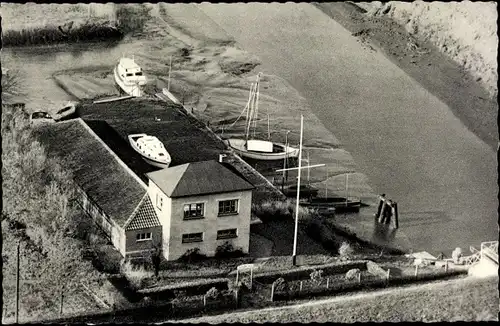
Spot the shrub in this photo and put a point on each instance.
(317, 276)
(345, 250)
(352, 274)
(226, 250)
(136, 275)
(213, 293)
(279, 209)
(280, 285)
(192, 255)
(132, 17)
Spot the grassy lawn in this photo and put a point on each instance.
(439, 301)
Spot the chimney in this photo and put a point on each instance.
(221, 158)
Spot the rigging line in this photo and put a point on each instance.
(251, 112)
(245, 108)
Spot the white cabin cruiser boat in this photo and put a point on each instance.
(129, 77)
(151, 149)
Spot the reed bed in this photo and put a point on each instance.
(53, 34)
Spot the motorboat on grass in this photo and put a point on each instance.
(129, 77)
(151, 149)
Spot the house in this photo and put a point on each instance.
(201, 204)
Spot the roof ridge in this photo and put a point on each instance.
(80, 120)
(134, 212)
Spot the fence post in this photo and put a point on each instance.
(251, 278)
(300, 288)
(237, 272)
(327, 282)
(446, 267)
(61, 303)
(359, 278)
(272, 292)
(205, 301)
(388, 274)
(416, 270)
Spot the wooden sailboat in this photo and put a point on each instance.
(265, 150)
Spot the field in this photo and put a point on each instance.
(456, 300)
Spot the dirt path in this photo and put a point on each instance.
(302, 312)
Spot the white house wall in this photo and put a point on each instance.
(163, 214)
(209, 225)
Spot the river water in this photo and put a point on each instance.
(405, 140)
(408, 143)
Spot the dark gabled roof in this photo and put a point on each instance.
(95, 168)
(144, 216)
(198, 178)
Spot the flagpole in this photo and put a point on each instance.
(294, 255)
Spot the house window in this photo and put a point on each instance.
(143, 236)
(226, 234)
(159, 201)
(228, 207)
(193, 211)
(192, 237)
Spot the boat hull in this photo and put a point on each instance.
(149, 160)
(238, 145)
(135, 90)
(340, 204)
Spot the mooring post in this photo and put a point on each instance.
(389, 212)
(381, 216)
(396, 216)
(379, 207)
(385, 212)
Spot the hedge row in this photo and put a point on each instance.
(191, 288)
(304, 273)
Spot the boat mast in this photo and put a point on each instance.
(249, 112)
(169, 70)
(294, 254)
(326, 184)
(346, 188)
(256, 100)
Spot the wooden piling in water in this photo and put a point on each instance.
(381, 216)
(396, 216)
(388, 212)
(379, 207)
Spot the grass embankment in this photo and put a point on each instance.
(39, 213)
(69, 23)
(454, 300)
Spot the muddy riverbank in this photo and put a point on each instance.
(408, 141)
